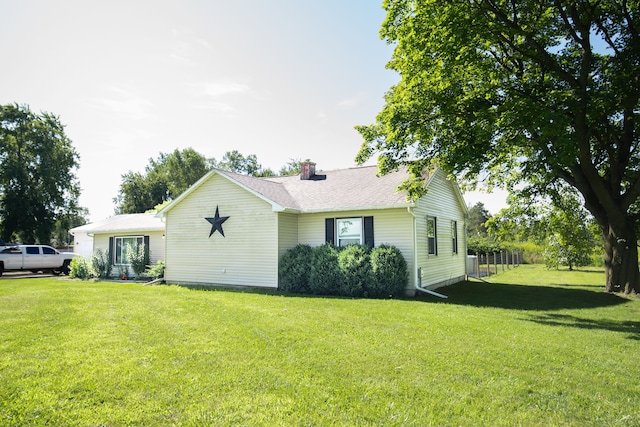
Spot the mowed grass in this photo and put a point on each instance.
(533, 348)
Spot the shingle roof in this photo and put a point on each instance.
(343, 189)
(123, 223)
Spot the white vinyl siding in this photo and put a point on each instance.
(287, 232)
(441, 202)
(247, 256)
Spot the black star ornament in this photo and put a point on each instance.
(216, 223)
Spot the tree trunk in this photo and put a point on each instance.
(621, 259)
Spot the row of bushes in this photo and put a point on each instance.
(100, 266)
(353, 271)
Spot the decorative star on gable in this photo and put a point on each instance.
(216, 223)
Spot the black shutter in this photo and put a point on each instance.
(368, 231)
(147, 251)
(435, 233)
(329, 230)
(112, 251)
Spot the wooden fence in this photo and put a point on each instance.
(484, 265)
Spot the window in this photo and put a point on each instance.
(33, 250)
(454, 236)
(349, 231)
(432, 235)
(48, 251)
(125, 244)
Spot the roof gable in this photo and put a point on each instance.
(337, 190)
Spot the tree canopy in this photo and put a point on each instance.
(164, 179)
(38, 185)
(545, 94)
(478, 216)
(236, 162)
(167, 176)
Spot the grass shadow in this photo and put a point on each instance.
(631, 328)
(526, 297)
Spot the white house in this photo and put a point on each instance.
(115, 233)
(232, 229)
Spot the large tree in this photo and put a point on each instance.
(38, 185)
(541, 92)
(236, 162)
(478, 216)
(164, 179)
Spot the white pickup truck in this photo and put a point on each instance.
(34, 258)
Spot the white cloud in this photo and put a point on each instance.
(186, 48)
(218, 107)
(224, 88)
(207, 96)
(127, 103)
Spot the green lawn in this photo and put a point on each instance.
(533, 348)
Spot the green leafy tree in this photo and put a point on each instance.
(569, 240)
(520, 221)
(478, 216)
(66, 222)
(165, 178)
(235, 161)
(293, 167)
(140, 192)
(542, 93)
(38, 185)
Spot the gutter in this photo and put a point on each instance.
(418, 283)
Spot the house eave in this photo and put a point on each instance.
(358, 208)
(128, 230)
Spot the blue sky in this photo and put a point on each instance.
(281, 79)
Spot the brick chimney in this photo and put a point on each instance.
(307, 170)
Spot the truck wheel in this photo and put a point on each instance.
(65, 268)
(1, 269)
(56, 272)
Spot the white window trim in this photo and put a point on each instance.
(435, 236)
(361, 237)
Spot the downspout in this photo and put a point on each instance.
(418, 282)
(428, 291)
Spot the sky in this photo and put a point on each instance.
(281, 79)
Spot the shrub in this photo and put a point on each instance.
(325, 277)
(101, 262)
(353, 271)
(79, 269)
(390, 272)
(294, 269)
(138, 258)
(355, 264)
(155, 272)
